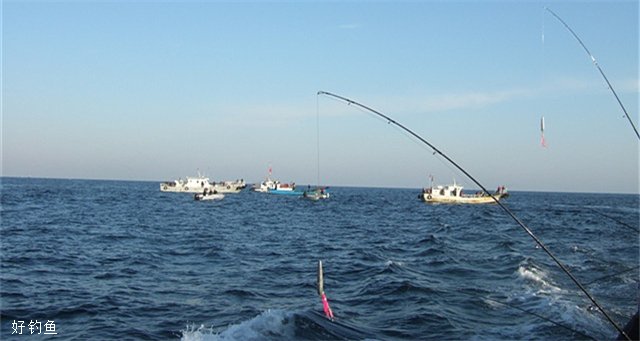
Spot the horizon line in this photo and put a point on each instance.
(326, 185)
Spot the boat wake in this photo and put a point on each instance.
(278, 325)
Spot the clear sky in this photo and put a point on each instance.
(157, 90)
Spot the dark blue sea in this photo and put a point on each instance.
(116, 260)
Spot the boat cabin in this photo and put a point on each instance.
(446, 191)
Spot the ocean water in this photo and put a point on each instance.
(121, 260)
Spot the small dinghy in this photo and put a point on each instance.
(316, 194)
(208, 195)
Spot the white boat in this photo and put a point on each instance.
(265, 186)
(200, 183)
(228, 186)
(274, 186)
(190, 185)
(452, 194)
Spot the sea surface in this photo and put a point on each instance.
(119, 260)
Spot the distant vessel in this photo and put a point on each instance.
(287, 189)
(265, 186)
(228, 186)
(316, 194)
(276, 187)
(208, 195)
(190, 185)
(200, 183)
(452, 194)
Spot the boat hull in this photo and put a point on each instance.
(431, 199)
(284, 192)
(205, 197)
(181, 188)
(225, 188)
(315, 195)
(199, 188)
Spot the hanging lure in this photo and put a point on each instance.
(325, 303)
(543, 143)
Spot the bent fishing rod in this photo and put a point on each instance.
(593, 59)
(505, 208)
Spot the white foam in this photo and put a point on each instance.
(193, 334)
(271, 324)
(390, 262)
(536, 276)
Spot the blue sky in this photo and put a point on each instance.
(159, 90)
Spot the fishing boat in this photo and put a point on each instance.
(452, 194)
(316, 194)
(200, 183)
(228, 186)
(275, 187)
(190, 185)
(265, 186)
(286, 189)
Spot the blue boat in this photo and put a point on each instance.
(290, 191)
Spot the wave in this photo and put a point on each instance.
(271, 324)
(537, 276)
(390, 264)
(277, 324)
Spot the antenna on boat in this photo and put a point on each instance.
(593, 59)
(504, 208)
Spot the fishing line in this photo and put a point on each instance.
(593, 59)
(612, 275)
(616, 220)
(403, 132)
(318, 138)
(504, 208)
(422, 146)
(543, 22)
(452, 171)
